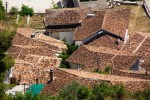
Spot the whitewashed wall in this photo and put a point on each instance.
(39, 6)
(67, 35)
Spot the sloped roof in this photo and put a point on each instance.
(91, 56)
(19, 52)
(63, 77)
(34, 55)
(64, 16)
(124, 62)
(114, 21)
(23, 37)
(144, 51)
(34, 66)
(90, 25)
(104, 41)
(139, 44)
(117, 21)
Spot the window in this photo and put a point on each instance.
(87, 0)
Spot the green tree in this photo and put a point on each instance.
(14, 11)
(84, 93)
(26, 10)
(65, 54)
(2, 11)
(5, 40)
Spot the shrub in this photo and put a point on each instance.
(26, 10)
(142, 95)
(70, 92)
(14, 11)
(107, 70)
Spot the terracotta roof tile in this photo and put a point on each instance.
(91, 56)
(124, 62)
(104, 41)
(34, 55)
(117, 21)
(144, 51)
(114, 21)
(139, 45)
(34, 66)
(23, 37)
(90, 25)
(61, 79)
(133, 42)
(64, 16)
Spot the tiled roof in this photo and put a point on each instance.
(90, 25)
(139, 44)
(97, 76)
(34, 55)
(23, 37)
(63, 77)
(19, 52)
(64, 16)
(144, 51)
(117, 21)
(114, 21)
(34, 66)
(91, 56)
(123, 62)
(104, 41)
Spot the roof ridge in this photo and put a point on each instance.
(140, 44)
(104, 19)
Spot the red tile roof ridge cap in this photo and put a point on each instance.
(140, 44)
(57, 41)
(97, 76)
(26, 46)
(104, 19)
(143, 34)
(18, 62)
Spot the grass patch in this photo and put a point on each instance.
(139, 21)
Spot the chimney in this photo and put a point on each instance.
(19, 80)
(37, 81)
(32, 35)
(51, 75)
